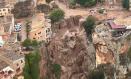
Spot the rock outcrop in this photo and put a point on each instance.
(70, 49)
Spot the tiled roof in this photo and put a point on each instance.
(114, 26)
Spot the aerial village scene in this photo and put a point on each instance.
(65, 39)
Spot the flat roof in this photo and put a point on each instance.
(13, 55)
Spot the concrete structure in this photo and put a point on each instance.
(6, 26)
(40, 28)
(6, 72)
(5, 11)
(13, 59)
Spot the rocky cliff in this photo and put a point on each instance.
(70, 49)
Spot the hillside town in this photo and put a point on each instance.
(65, 39)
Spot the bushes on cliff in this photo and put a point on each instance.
(96, 74)
(31, 69)
(29, 44)
(56, 15)
(126, 4)
(89, 26)
(129, 53)
(56, 70)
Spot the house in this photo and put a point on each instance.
(14, 59)
(40, 28)
(116, 27)
(6, 72)
(6, 26)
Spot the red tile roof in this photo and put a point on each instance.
(114, 26)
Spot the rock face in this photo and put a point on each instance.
(69, 48)
(110, 50)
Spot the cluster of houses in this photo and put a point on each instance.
(11, 60)
(12, 64)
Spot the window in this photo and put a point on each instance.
(21, 61)
(17, 64)
(39, 33)
(34, 38)
(48, 29)
(8, 9)
(3, 9)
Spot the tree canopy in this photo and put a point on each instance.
(126, 4)
(89, 25)
(129, 53)
(31, 69)
(56, 15)
(96, 74)
(57, 70)
(86, 3)
(30, 43)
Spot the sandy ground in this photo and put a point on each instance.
(111, 13)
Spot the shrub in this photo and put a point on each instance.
(57, 70)
(56, 15)
(48, 1)
(126, 4)
(101, 11)
(129, 53)
(86, 3)
(96, 74)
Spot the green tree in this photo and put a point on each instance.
(57, 70)
(26, 43)
(31, 69)
(129, 53)
(72, 4)
(87, 3)
(101, 1)
(35, 43)
(28, 29)
(126, 4)
(56, 15)
(48, 1)
(89, 26)
(96, 74)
